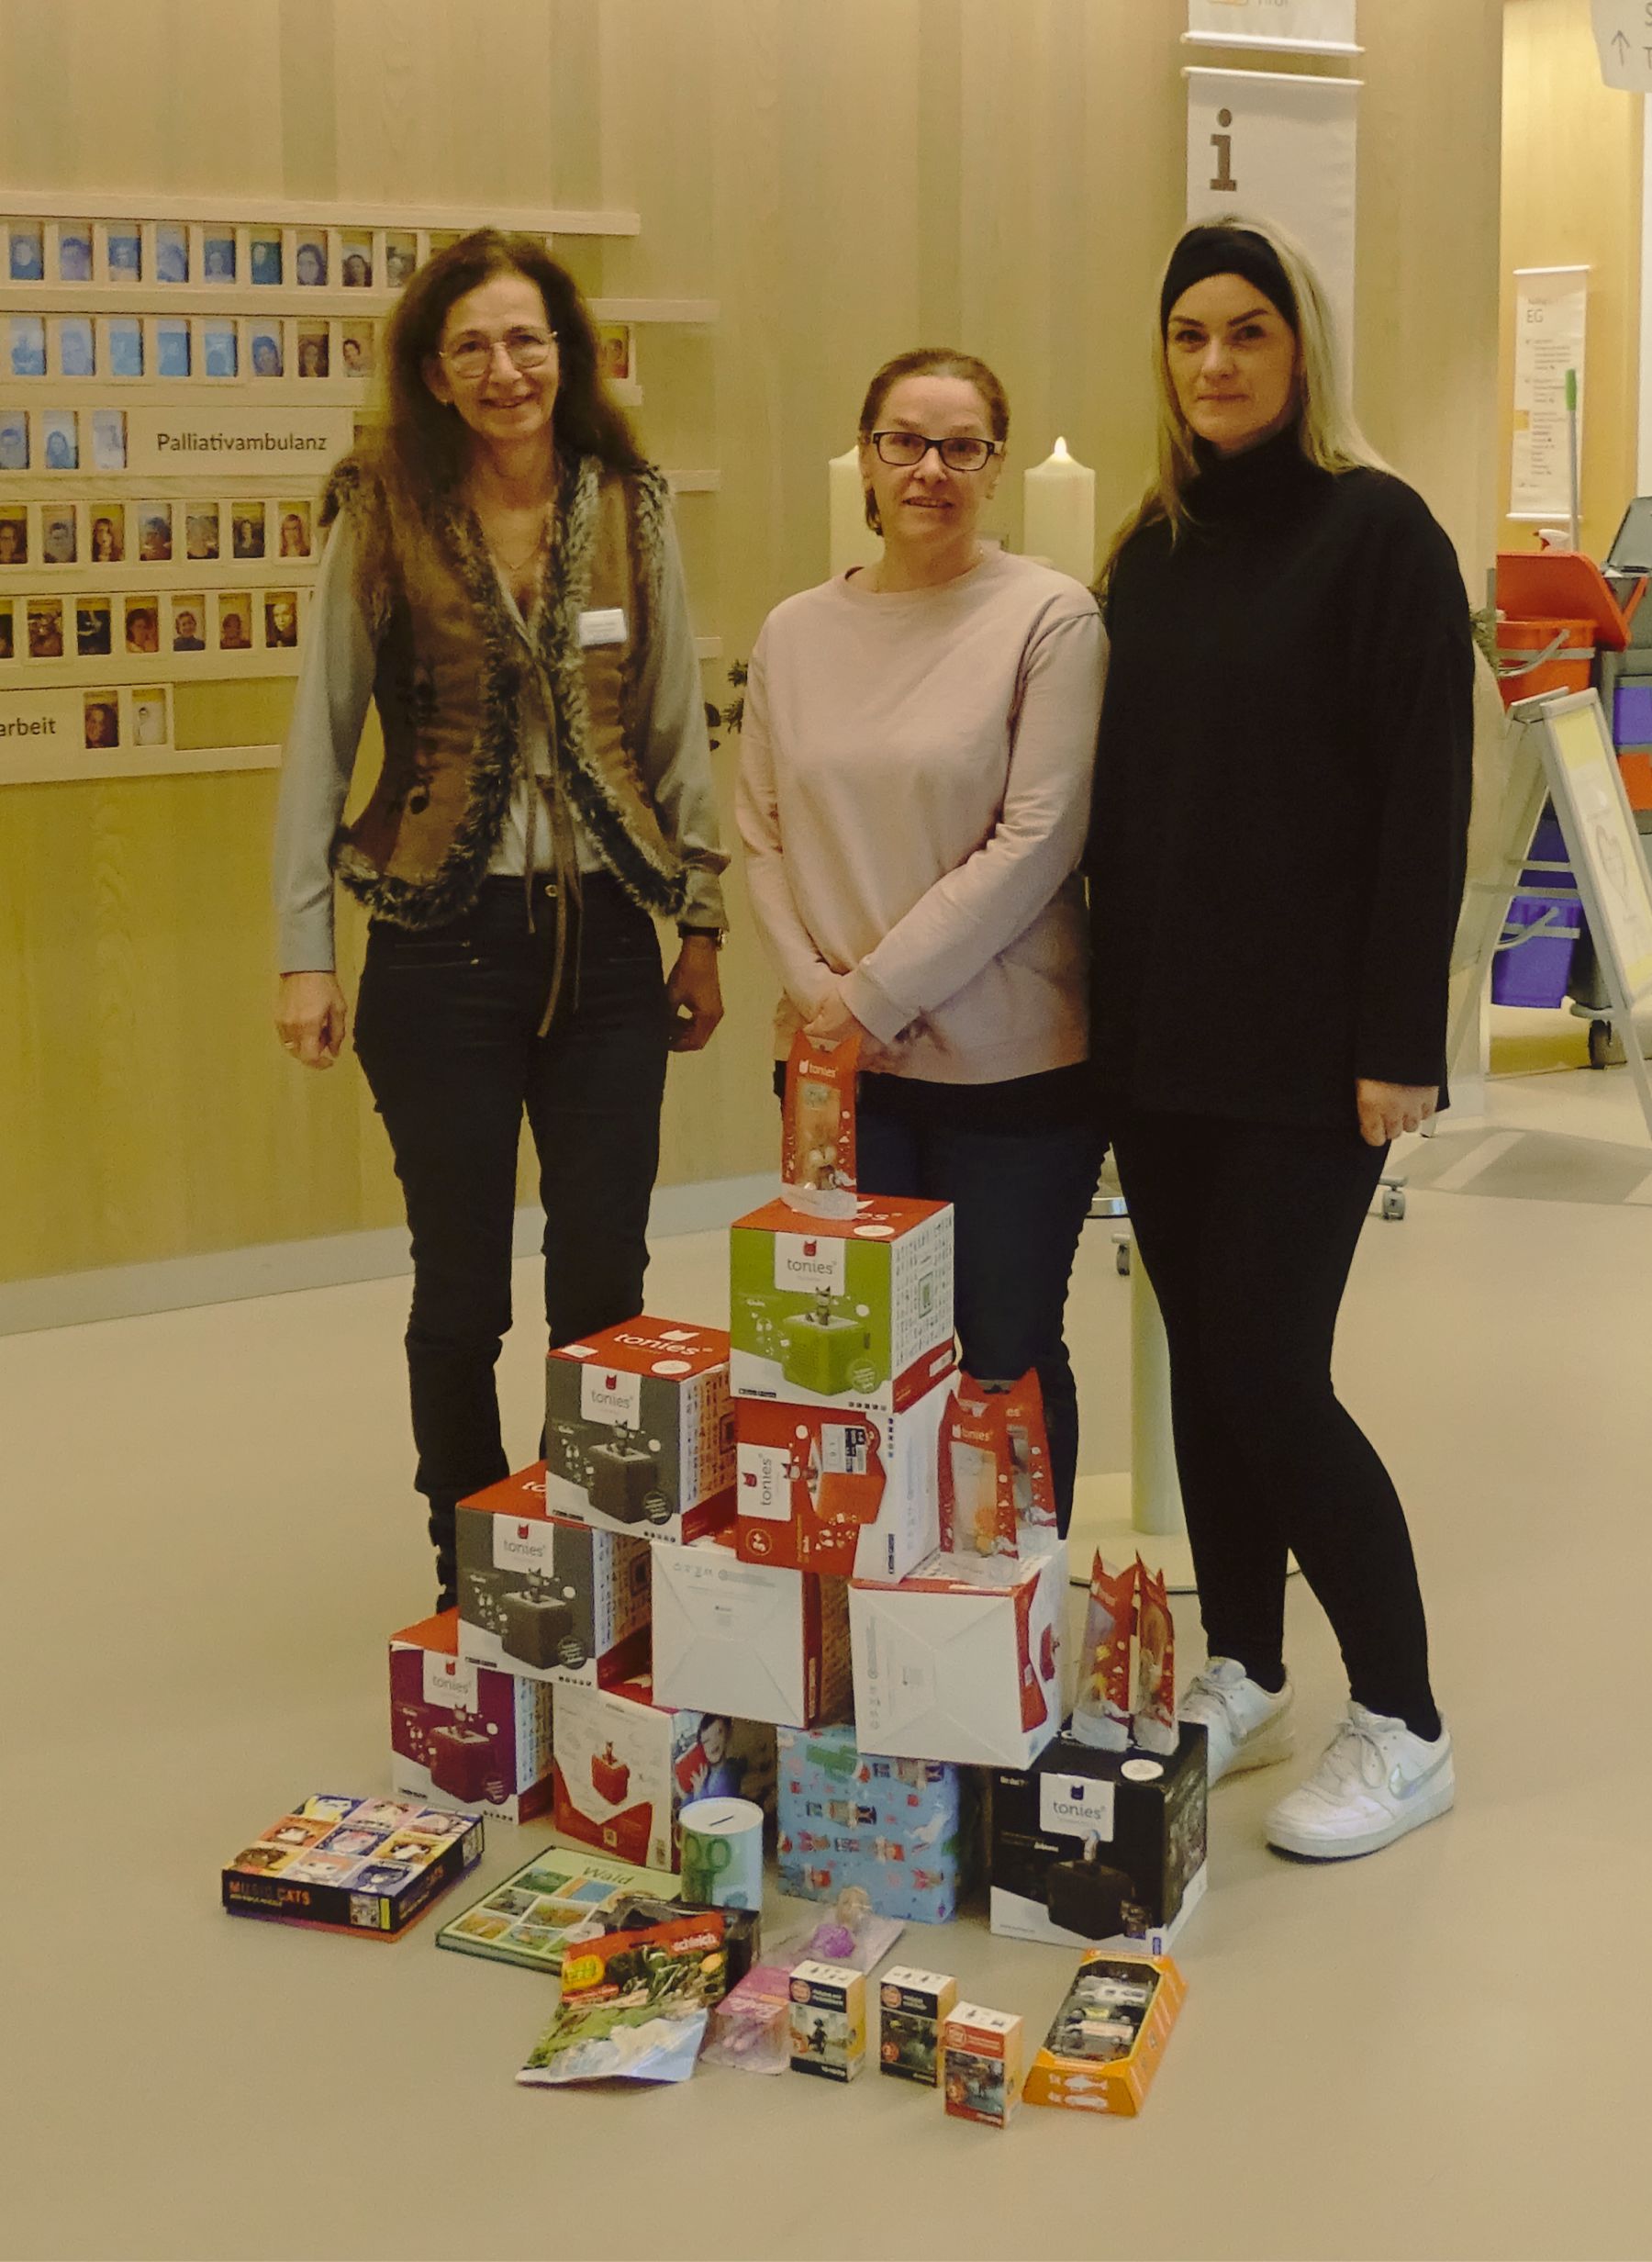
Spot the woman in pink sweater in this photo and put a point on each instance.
(914, 791)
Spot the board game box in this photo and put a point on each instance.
(557, 1900)
(341, 1864)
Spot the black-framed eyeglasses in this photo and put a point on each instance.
(473, 357)
(959, 452)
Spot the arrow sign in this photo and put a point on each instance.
(1623, 36)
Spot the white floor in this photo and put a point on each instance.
(1440, 2052)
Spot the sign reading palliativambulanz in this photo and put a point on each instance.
(195, 437)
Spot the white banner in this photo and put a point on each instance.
(1551, 306)
(1300, 27)
(208, 436)
(1622, 30)
(1264, 146)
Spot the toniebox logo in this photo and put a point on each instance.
(610, 1398)
(805, 1261)
(449, 1682)
(523, 1546)
(1075, 1806)
(764, 1488)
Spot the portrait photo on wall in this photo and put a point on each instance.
(26, 247)
(75, 357)
(234, 616)
(154, 534)
(14, 439)
(172, 253)
(92, 631)
(124, 253)
(26, 342)
(201, 531)
(281, 619)
(309, 261)
(188, 623)
(401, 256)
(123, 345)
(295, 530)
(108, 440)
(102, 709)
(107, 546)
(151, 725)
(263, 254)
(172, 349)
(45, 628)
(9, 647)
(218, 255)
(59, 444)
(356, 264)
(142, 626)
(264, 352)
(616, 352)
(60, 544)
(247, 530)
(74, 252)
(314, 359)
(220, 357)
(356, 348)
(14, 534)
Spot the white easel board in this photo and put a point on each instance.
(1580, 763)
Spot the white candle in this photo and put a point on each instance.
(1058, 518)
(853, 541)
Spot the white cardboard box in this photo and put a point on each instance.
(962, 1668)
(751, 1640)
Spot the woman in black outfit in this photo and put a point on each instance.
(1275, 863)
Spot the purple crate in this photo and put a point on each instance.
(1539, 972)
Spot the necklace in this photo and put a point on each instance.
(516, 564)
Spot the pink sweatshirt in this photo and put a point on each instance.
(914, 792)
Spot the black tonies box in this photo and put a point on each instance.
(1100, 1848)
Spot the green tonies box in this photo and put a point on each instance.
(853, 1312)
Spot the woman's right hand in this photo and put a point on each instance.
(311, 1018)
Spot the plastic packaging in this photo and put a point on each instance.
(851, 1935)
(1101, 1713)
(818, 1145)
(751, 2028)
(1152, 1722)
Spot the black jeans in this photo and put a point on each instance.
(1248, 1232)
(447, 1031)
(1020, 1199)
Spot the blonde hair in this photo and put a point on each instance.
(1330, 436)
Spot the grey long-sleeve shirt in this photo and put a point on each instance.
(329, 707)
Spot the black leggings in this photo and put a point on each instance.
(1248, 1232)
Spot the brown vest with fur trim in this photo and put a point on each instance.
(453, 671)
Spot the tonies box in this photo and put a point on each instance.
(818, 1488)
(1100, 1847)
(547, 1598)
(347, 1864)
(850, 1312)
(753, 1639)
(626, 1766)
(638, 1437)
(465, 1735)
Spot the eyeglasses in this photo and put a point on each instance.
(961, 451)
(473, 357)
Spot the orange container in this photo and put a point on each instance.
(1569, 670)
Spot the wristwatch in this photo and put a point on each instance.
(714, 936)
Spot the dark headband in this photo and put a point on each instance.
(1205, 252)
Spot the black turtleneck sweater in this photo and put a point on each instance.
(1282, 790)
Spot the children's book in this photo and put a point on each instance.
(555, 1901)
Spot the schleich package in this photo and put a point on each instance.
(544, 1597)
(827, 2022)
(639, 1434)
(962, 1661)
(1092, 1847)
(462, 1734)
(1108, 2039)
(851, 1311)
(996, 1494)
(556, 1901)
(634, 2006)
(367, 1866)
(828, 1490)
(818, 1142)
(906, 1830)
(982, 2054)
(913, 2008)
(624, 1768)
(754, 1640)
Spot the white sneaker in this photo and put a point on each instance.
(1376, 1782)
(1245, 1725)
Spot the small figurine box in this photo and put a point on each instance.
(369, 1866)
(639, 1434)
(1109, 2036)
(824, 1489)
(625, 1767)
(913, 2008)
(850, 1312)
(545, 1596)
(906, 1830)
(981, 2064)
(463, 1735)
(828, 2021)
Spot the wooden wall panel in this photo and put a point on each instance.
(847, 178)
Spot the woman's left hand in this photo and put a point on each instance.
(1386, 1110)
(694, 995)
(832, 1022)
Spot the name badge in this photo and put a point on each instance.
(607, 627)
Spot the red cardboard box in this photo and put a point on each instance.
(625, 1767)
(823, 1489)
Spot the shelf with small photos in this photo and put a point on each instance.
(98, 728)
(50, 637)
(229, 536)
(138, 349)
